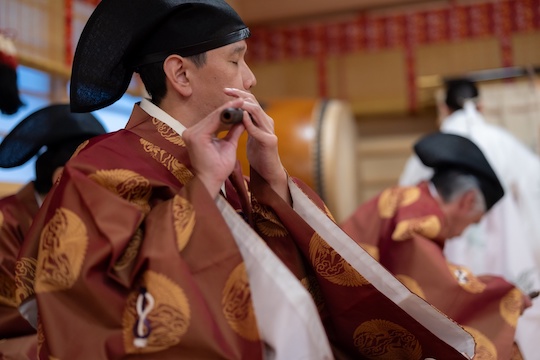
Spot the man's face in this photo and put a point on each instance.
(225, 67)
(462, 220)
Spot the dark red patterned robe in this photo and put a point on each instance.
(17, 336)
(401, 228)
(128, 219)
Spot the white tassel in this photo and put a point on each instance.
(141, 338)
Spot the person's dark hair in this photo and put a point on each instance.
(50, 160)
(153, 76)
(459, 90)
(452, 183)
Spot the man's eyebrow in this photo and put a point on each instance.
(239, 49)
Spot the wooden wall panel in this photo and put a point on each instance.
(458, 57)
(372, 82)
(293, 78)
(380, 162)
(526, 49)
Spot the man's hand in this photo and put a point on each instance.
(262, 143)
(212, 158)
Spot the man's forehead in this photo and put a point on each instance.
(235, 48)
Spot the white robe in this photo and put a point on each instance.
(507, 240)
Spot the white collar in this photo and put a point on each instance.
(433, 190)
(39, 198)
(154, 111)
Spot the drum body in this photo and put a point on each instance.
(317, 144)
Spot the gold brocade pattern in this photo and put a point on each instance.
(179, 170)
(485, 349)
(330, 265)
(392, 199)
(466, 279)
(371, 250)
(79, 148)
(427, 226)
(184, 221)
(126, 184)
(131, 251)
(267, 222)
(169, 319)
(7, 291)
(25, 274)
(411, 284)
(328, 213)
(384, 340)
(237, 304)
(168, 133)
(40, 336)
(62, 246)
(510, 307)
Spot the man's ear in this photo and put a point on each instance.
(479, 106)
(175, 70)
(467, 201)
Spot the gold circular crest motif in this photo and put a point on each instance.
(384, 340)
(237, 304)
(63, 246)
(40, 336)
(466, 279)
(25, 274)
(392, 199)
(169, 319)
(427, 226)
(168, 133)
(485, 349)
(267, 222)
(330, 265)
(131, 251)
(510, 307)
(184, 221)
(127, 184)
(179, 170)
(371, 250)
(411, 284)
(7, 291)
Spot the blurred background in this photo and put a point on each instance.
(357, 80)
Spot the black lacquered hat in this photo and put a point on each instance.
(49, 126)
(124, 34)
(442, 151)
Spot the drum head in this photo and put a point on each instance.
(317, 144)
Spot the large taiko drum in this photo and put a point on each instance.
(317, 144)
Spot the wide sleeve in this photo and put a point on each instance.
(16, 333)
(123, 266)
(358, 300)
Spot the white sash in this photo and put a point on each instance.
(440, 325)
(287, 317)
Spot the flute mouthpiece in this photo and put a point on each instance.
(232, 115)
